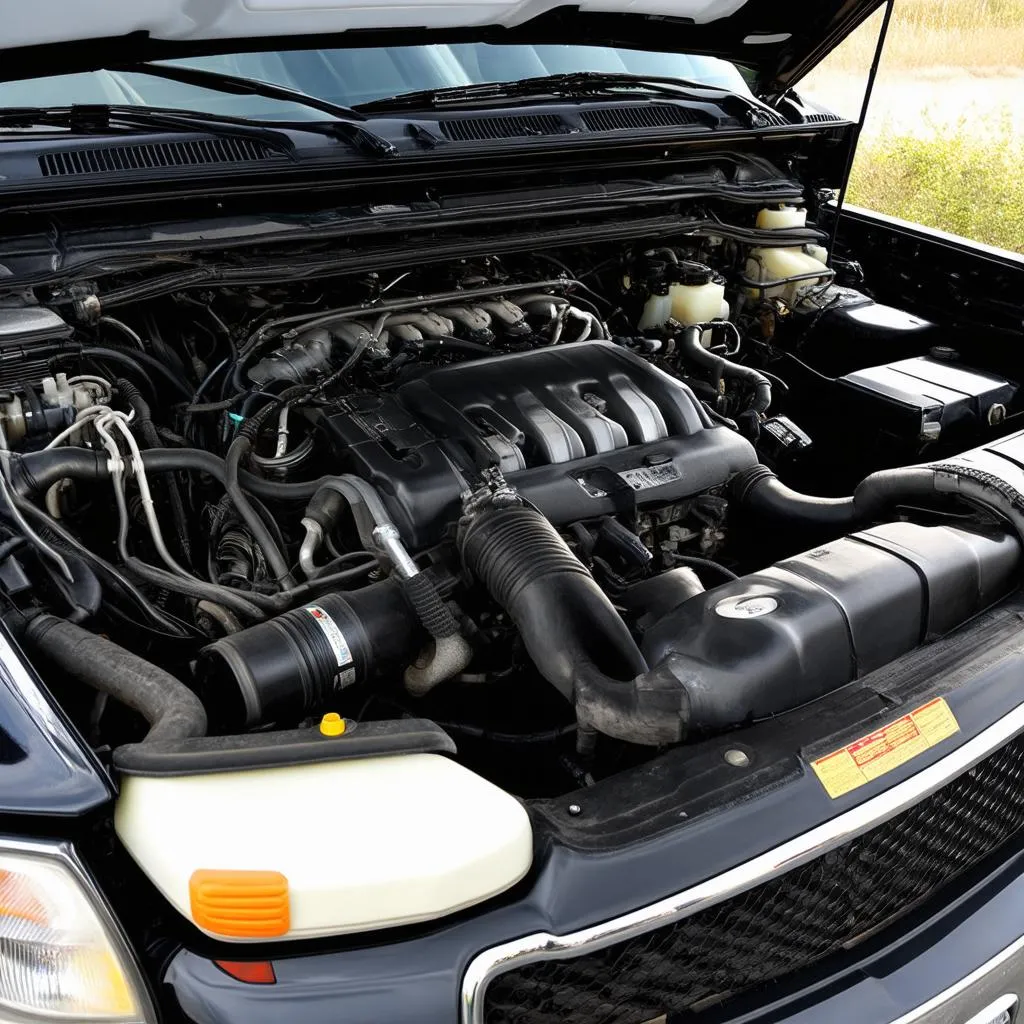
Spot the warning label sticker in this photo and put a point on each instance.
(338, 644)
(879, 752)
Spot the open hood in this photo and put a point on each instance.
(779, 42)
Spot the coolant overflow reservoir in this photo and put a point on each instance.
(697, 295)
(792, 267)
(773, 218)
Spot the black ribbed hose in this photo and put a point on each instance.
(573, 634)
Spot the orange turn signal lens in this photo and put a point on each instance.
(19, 900)
(252, 972)
(240, 904)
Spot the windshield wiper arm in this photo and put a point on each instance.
(99, 117)
(347, 124)
(573, 85)
(239, 86)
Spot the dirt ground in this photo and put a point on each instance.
(924, 101)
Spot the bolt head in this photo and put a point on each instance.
(737, 758)
(575, 809)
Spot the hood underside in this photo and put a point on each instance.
(778, 42)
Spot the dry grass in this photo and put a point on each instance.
(980, 35)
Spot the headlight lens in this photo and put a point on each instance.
(61, 956)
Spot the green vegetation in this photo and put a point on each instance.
(944, 140)
(955, 180)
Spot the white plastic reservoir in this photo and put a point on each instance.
(324, 849)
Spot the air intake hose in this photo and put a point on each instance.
(759, 490)
(289, 666)
(577, 640)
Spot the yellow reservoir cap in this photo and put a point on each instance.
(332, 724)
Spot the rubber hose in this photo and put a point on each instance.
(151, 439)
(172, 710)
(449, 654)
(688, 343)
(137, 360)
(35, 472)
(573, 634)
(239, 449)
(761, 491)
(251, 605)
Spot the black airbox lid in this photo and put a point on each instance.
(925, 398)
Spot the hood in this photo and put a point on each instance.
(778, 41)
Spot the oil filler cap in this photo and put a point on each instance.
(752, 607)
(332, 724)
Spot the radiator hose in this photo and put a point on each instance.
(177, 743)
(172, 710)
(573, 634)
(689, 344)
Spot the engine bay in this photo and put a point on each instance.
(564, 508)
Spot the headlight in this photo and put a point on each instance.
(62, 957)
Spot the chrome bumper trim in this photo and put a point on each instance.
(972, 979)
(792, 854)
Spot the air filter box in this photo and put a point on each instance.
(809, 624)
(925, 399)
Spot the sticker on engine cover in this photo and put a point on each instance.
(336, 640)
(873, 755)
(642, 478)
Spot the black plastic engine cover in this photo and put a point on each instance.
(579, 430)
(807, 625)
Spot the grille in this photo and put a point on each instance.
(785, 924)
(475, 129)
(821, 118)
(655, 115)
(146, 155)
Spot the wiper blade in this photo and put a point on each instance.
(346, 124)
(574, 85)
(239, 86)
(88, 119)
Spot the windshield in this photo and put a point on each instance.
(353, 76)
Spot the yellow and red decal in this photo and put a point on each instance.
(871, 756)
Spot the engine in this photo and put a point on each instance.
(576, 430)
(559, 517)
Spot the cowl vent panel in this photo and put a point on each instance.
(481, 129)
(654, 115)
(146, 156)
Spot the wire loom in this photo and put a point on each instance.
(776, 929)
